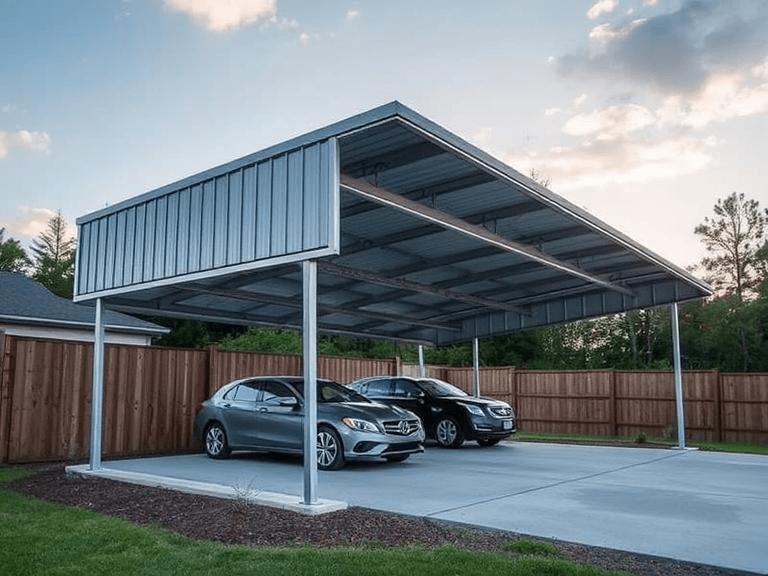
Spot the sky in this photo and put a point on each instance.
(642, 112)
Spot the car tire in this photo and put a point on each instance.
(448, 433)
(397, 457)
(330, 450)
(486, 442)
(215, 441)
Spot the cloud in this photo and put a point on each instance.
(676, 52)
(598, 162)
(602, 7)
(352, 14)
(30, 222)
(611, 123)
(225, 15)
(36, 141)
(724, 96)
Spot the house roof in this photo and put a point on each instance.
(24, 301)
(418, 236)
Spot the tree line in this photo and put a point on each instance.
(728, 331)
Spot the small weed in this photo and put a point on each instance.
(530, 548)
(462, 534)
(641, 438)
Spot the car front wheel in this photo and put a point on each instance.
(448, 434)
(216, 441)
(330, 451)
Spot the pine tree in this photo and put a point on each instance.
(733, 238)
(54, 255)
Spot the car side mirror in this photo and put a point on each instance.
(288, 402)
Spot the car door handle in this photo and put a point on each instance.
(263, 410)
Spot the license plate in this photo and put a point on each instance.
(506, 425)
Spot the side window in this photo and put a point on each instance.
(274, 391)
(379, 387)
(231, 393)
(406, 389)
(247, 393)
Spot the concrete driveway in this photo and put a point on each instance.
(705, 507)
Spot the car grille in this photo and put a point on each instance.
(501, 411)
(401, 427)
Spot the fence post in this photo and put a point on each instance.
(212, 351)
(718, 406)
(614, 424)
(7, 365)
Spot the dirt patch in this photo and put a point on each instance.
(236, 522)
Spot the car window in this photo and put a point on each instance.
(274, 391)
(245, 393)
(406, 389)
(380, 387)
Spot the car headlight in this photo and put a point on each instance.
(474, 410)
(358, 424)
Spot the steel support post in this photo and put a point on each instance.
(309, 344)
(422, 371)
(476, 367)
(97, 388)
(678, 377)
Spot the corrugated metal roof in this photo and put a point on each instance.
(419, 236)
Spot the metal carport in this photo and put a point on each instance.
(384, 225)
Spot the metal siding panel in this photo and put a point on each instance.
(149, 240)
(330, 194)
(235, 218)
(119, 249)
(161, 238)
(295, 202)
(138, 248)
(314, 209)
(172, 231)
(93, 256)
(182, 235)
(279, 205)
(249, 195)
(195, 227)
(101, 260)
(220, 223)
(208, 229)
(130, 246)
(109, 276)
(84, 248)
(264, 210)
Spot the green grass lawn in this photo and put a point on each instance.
(38, 537)
(583, 439)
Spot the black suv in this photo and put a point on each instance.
(449, 414)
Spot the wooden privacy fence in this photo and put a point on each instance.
(151, 394)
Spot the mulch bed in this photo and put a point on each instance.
(236, 522)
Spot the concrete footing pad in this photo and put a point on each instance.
(259, 497)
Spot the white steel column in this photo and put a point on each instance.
(476, 367)
(421, 362)
(309, 344)
(678, 377)
(97, 388)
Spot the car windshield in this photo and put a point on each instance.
(435, 387)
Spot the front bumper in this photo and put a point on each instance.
(486, 428)
(359, 445)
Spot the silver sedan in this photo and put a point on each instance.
(265, 413)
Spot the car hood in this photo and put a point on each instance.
(364, 410)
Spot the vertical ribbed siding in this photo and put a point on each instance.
(272, 207)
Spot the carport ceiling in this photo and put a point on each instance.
(420, 237)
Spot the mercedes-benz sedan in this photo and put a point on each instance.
(266, 413)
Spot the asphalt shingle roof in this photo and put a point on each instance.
(25, 301)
